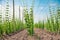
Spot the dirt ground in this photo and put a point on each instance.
(39, 35)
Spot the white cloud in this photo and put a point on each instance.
(41, 8)
(0, 7)
(53, 4)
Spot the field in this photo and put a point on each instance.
(25, 27)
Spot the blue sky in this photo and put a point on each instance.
(41, 7)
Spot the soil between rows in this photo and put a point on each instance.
(39, 35)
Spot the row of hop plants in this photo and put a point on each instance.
(29, 21)
(53, 22)
(7, 27)
(40, 25)
(10, 26)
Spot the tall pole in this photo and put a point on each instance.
(19, 14)
(1, 20)
(14, 23)
(13, 11)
